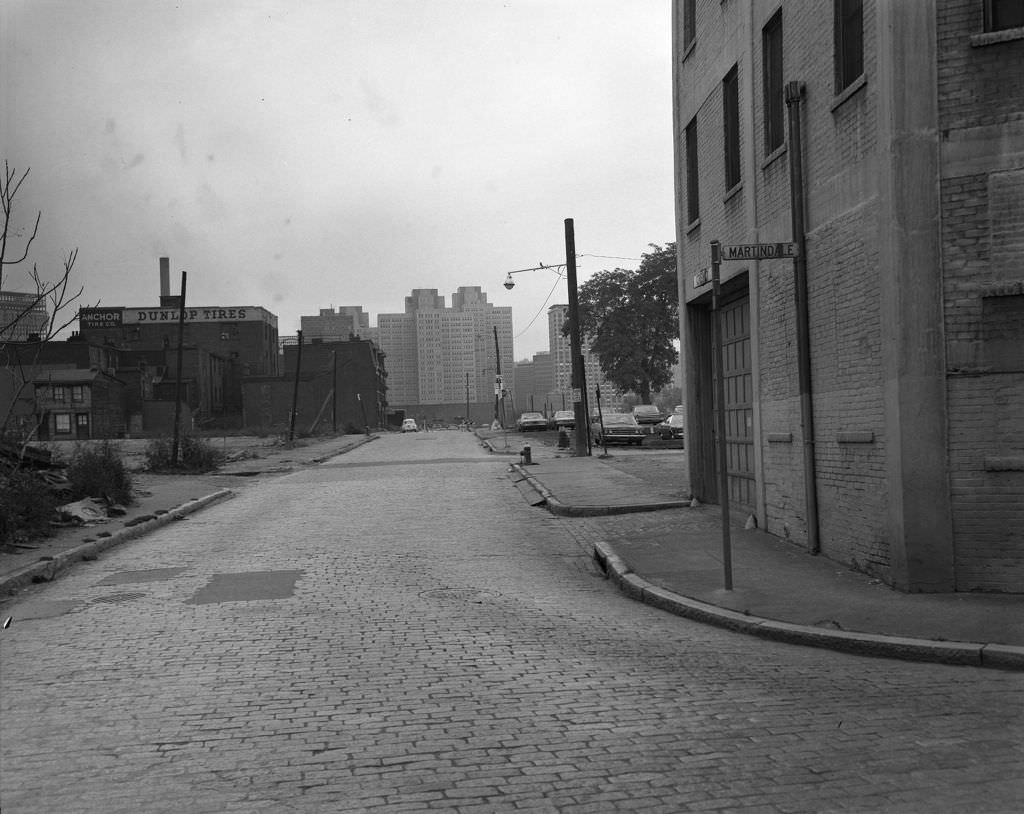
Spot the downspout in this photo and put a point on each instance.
(794, 94)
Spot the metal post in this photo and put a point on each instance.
(334, 391)
(295, 391)
(579, 383)
(723, 457)
(794, 92)
(177, 381)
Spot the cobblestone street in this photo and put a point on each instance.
(398, 631)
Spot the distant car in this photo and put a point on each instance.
(409, 425)
(679, 408)
(565, 420)
(672, 427)
(618, 428)
(647, 415)
(531, 421)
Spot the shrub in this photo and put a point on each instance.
(194, 454)
(27, 505)
(98, 471)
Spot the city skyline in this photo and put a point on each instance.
(299, 155)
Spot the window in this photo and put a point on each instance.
(692, 181)
(689, 22)
(1003, 14)
(77, 393)
(849, 34)
(58, 392)
(771, 51)
(62, 423)
(731, 118)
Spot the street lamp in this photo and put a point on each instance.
(579, 383)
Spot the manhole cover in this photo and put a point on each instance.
(476, 595)
(113, 599)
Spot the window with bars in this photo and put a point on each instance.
(692, 181)
(774, 102)
(731, 120)
(1003, 14)
(849, 42)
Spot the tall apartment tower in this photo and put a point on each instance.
(886, 140)
(436, 355)
(560, 392)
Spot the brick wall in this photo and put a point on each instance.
(981, 114)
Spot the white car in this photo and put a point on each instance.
(409, 425)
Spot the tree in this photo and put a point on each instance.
(630, 319)
(54, 295)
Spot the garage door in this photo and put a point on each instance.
(739, 408)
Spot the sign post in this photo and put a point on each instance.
(749, 251)
(723, 457)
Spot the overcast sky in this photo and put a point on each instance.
(304, 154)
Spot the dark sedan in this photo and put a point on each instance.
(531, 421)
(672, 427)
(618, 428)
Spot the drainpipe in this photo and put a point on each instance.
(794, 94)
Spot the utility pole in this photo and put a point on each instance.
(498, 384)
(177, 381)
(295, 390)
(334, 391)
(579, 382)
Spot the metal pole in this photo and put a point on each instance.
(334, 392)
(794, 92)
(497, 377)
(579, 382)
(723, 457)
(295, 390)
(177, 381)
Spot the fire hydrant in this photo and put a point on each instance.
(527, 455)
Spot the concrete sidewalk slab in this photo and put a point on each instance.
(673, 559)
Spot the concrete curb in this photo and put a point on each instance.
(50, 569)
(993, 656)
(555, 506)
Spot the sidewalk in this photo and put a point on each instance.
(778, 590)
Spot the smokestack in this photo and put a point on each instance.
(167, 299)
(165, 277)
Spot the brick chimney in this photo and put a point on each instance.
(167, 299)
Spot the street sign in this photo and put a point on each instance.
(577, 395)
(702, 277)
(759, 251)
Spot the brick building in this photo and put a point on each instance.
(910, 182)
(223, 344)
(341, 385)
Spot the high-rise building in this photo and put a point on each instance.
(22, 316)
(438, 355)
(561, 368)
(348, 322)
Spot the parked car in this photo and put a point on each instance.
(647, 415)
(565, 420)
(409, 425)
(531, 421)
(671, 427)
(618, 428)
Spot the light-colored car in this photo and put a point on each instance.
(531, 421)
(672, 427)
(618, 428)
(565, 419)
(409, 425)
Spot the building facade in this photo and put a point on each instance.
(885, 140)
(560, 361)
(445, 358)
(22, 316)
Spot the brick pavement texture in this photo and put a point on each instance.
(448, 648)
